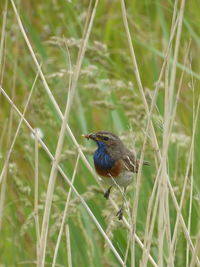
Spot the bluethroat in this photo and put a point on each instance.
(113, 162)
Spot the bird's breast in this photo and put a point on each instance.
(112, 172)
(103, 161)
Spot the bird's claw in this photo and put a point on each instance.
(120, 214)
(107, 193)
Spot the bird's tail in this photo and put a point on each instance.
(145, 162)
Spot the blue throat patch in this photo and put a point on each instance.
(101, 157)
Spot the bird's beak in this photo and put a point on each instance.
(89, 136)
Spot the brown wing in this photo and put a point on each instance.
(130, 162)
(120, 153)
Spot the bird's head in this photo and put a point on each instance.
(104, 138)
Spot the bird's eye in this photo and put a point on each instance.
(105, 138)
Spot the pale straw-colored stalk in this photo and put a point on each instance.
(190, 157)
(171, 247)
(64, 216)
(68, 245)
(10, 150)
(196, 251)
(192, 166)
(150, 223)
(169, 104)
(53, 174)
(2, 65)
(36, 215)
(151, 218)
(10, 120)
(2, 42)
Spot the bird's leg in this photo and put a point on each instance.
(120, 212)
(107, 193)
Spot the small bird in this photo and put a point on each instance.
(113, 162)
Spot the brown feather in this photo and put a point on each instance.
(111, 173)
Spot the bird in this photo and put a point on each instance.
(114, 162)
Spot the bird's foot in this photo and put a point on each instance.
(107, 193)
(120, 214)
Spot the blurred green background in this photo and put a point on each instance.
(107, 98)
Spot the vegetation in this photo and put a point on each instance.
(72, 67)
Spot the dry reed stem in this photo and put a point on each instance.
(164, 218)
(182, 222)
(4, 169)
(192, 165)
(53, 174)
(136, 71)
(36, 216)
(151, 218)
(191, 151)
(68, 245)
(10, 120)
(2, 65)
(171, 248)
(163, 188)
(3, 34)
(153, 104)
(190, 161)
(18, 127)
(137, 74)
(196, 251)
(10, 150)
(65, 214)
(139, 83)
(74, 173)
(148, 234)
